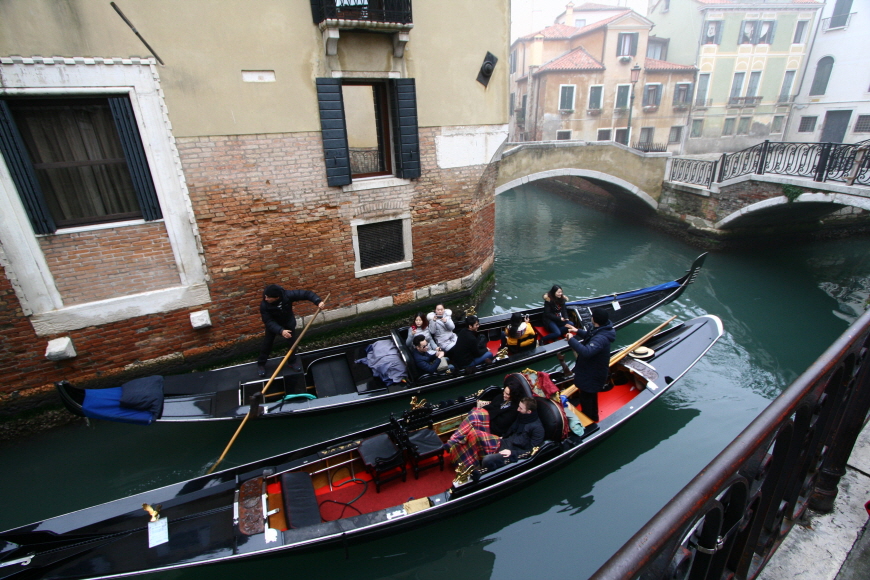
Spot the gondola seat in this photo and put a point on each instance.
(383, 457)
(553, 420)
(300, 502)
(421, 441)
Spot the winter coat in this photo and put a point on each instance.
(525, 434)
(279, 317)
(593, 357)
(466, 349)
(441, 330)
(554, 312)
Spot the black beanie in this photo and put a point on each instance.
(273, 291)
(600, 317)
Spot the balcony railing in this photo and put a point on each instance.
(785, 99)
(744, 101)
(393, 11)
(650, 147)
(836, 22)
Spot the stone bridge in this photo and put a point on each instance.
(637, 181)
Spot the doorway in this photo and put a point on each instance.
(836, 124)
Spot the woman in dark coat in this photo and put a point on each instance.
(555, 321)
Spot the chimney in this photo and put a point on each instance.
(569, 14)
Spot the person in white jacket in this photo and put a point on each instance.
(441, 327)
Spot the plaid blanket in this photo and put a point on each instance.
(472, 439)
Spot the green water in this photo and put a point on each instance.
(780, 306)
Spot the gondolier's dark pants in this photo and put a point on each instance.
(588, 404)
(269, 340)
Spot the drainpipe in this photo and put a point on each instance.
(691, 110)
(532, 105)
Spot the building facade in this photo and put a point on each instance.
(576, 83)
(150, 192)
(750, 57)
(833, 95)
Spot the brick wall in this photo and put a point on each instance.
(106, 263)
(265, 214)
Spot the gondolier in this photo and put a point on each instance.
(276, 310)
(593, 361)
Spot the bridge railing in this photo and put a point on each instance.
(841, 162)
(729, 520)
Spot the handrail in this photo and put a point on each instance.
(729, 520)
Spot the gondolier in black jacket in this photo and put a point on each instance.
(593, 361)
(277, 312)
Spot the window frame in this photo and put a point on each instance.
(562, 98)
(810, 120)
(773, 129)
(744, 125)
(737, 89)
(407, 243)
(717, 35)
(659, 90)
(701, 98)
(632, 43)
(600, 97)
(625, 131)
(858, 127)
(627, 88)
(755, 36)
(699, 133)
(675, 135)
(560, 134)
(646, 132)
(609, 135)
(787, 84)
(800, 31)
(820, 83)
(753, 84)
(687, 97)
(729, 126)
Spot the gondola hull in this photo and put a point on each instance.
(331, 378)
(265, 508)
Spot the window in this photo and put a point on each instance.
(697, 127)
(622, 96)
(652, 95)
(563, 135)
(378, 120)
(603, 134)
(646, 134)
(512, 103)
(87, 159)
(703, 83)
(757, 31)
(657, 48)
(862, 125)
(840, 17)
(776, 126)
(807, 125)
(682, 93)
(579, 22)
(675, 135)
(513, 62)
(381, 246)
(621, 136)
(566, 97)
(712, 32)
(728, 127)
(595, 96)
(626, 44)
(743, 125)
(823, 74)
(799, 31)
(787, 82)
(737, 85)
(754, 80)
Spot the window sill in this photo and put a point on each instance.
(374, 183)
(94, 227)
(382, 269)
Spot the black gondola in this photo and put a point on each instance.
(330, 378)
(321, 494)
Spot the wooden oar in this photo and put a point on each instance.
(268, 384)
(621, 354)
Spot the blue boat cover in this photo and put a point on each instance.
(624, 295)
(106, 404)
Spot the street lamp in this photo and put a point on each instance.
(635, 75)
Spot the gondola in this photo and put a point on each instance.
(332, 378)
(352, 487)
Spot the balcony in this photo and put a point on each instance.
(785, 100)
(837, 22)
(385, 16)
(362, 11)
(744, 101)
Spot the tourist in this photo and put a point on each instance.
(470, 348)
(426, 361)
(441, 327)
(525, 434)
(419, 326)
(520, 334)
(555, 322)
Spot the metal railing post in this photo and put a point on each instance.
(721, 168)
(762, 158)
(822, 167)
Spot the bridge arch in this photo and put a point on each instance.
(604, 180)
(806, 206)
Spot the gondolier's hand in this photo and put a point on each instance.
(322, 305)
(286, 333)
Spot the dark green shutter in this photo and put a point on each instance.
(335, 150)
(134, 153)
(21, 168)
(406, 141)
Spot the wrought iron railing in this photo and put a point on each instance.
(365, 160)
(730, 519)
(744, 101)
(394, 11)
(650, 147)
(848, 163)
(697, 171)
(836, 22)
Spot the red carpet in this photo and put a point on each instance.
(393, 493)
(610, 401)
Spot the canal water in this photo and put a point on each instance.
(781, 307)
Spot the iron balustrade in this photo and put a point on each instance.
(729, 520)
(697, 171)
(393, 11)
(650, 147)
(836, 22)
(817, 161)
(744, 101)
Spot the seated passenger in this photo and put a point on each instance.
(520, 334)
(441, 327)
(502, 413)
(525, 434)
(469, 349)
(554, 315)
(426, 361)
(420, 325)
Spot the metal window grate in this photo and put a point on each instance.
(862, 125)
(380, 243)
(808, 125)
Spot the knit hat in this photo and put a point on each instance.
(273, 291)
(600, 317)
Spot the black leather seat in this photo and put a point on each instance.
(300, 502)
(383, 457)
(552, 419)
(421, 441)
